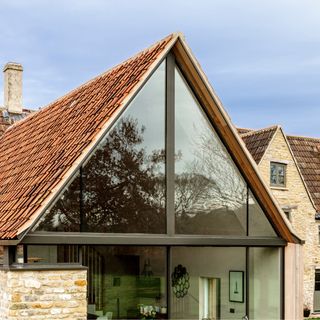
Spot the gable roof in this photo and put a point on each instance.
(257, 141)
(36, 153)
(39, 154)
(307, 153)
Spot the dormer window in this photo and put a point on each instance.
(278, 174)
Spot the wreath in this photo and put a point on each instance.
(180, 281)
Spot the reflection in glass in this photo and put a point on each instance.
(52, 254)
(277, 174)
(125, 282)
(265, 283)
(64, 215)
(208, 295)
(210, 194)
(123, 182)
(258, 222)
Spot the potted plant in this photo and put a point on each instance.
(147, 312)
(306, 311)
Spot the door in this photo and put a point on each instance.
(209, 298)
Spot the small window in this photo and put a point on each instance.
(278, 174)
(288, 214)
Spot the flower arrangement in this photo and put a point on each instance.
(147, 312)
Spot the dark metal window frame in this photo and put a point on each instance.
(168, 248)
(170, 237)
(278, 184)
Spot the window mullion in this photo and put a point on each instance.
(170, 144)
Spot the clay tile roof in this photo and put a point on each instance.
(257, 141)
(244, 130)
(36, 152)
(307, 153)
(7, 118)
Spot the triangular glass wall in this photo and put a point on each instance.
(258, 222)
(122, 185)
(210, 193)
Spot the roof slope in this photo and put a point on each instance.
(37, 152)
(307, 153)
(8, 118)
(257, 141)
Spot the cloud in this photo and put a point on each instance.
(256, 53)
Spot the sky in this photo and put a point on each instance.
(262, 57)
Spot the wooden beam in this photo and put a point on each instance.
(227, 133)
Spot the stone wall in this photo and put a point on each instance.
(43, 294)
(303, 217)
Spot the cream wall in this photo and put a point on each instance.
(43, 294)
(303, 216)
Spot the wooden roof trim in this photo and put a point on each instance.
(22, 231)
(228, 132)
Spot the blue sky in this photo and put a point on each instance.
(262, 57)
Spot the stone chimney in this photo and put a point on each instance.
(13, 87)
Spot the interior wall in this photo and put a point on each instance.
(211, 263)
(265, 283)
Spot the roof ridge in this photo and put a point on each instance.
(302, 137)
(88, 82)
(241, 128)
(259, 131)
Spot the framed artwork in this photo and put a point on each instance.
(236, 286)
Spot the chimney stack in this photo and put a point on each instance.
(13, 87)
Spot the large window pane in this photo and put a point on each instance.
(265, 283)
(210, 193)
(258, 222)
(125, 282)
(123, 182)
(52, 254)
(64, 214)
(208, 283)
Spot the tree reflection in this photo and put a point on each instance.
(123, 188)
(210, 194)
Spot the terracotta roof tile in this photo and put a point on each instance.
(244, 130)
(307, 153)
(257, 141)
(7, 118)
(36, 152)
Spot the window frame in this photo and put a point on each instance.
(278, 184)
(33, 236)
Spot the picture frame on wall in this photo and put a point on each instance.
(236, 286)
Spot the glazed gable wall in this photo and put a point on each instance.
(303, 212)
